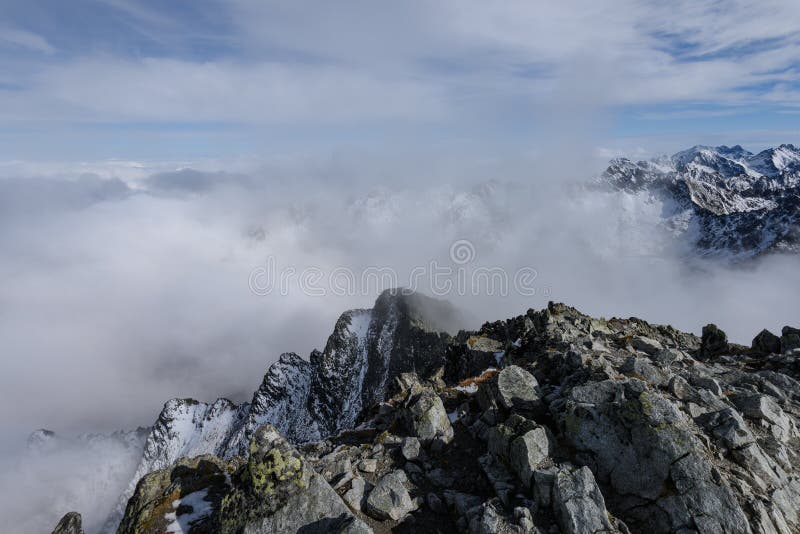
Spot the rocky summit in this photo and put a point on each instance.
(552, 421)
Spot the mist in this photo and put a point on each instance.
(125, 290)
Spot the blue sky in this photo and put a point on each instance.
(95, 79)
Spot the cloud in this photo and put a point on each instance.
(22, 38)
(443, 63)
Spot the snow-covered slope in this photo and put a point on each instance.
(306, 400)
(725, 201)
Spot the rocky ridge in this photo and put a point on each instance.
(552, 421)
(307, 400)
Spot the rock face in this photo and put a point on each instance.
(728, 202)
(583, 425)
(69, 524)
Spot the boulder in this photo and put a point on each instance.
(766, 343)
(354, 497)
(368, 465)
(578, 503)
(69, 524)
(389, 499)
(645, 344)
(790, 339)
(513, 390)
(410, 449)
(713, 342)
(427, 419)
(529, 451)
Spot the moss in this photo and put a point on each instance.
(273, 469)
(647, 404)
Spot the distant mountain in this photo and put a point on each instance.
(727, 202)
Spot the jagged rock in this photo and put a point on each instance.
(528, 452)
(639, 441)
(368, 465)
(578, 502)
(427, 418)
(355, 496)
(677, 444)
(714, 342)
(790, 339)
(764, 408)
(69, 524)
(681, 388)
(410, 449)
(188, 493)
(512, 389)
(389, 499)
(706, 382)
(276, 491)
(642, 368)
(645, 344)
(766, 343)
(490, 519)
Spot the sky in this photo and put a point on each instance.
(149, 80)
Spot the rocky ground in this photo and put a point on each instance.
(548, 422)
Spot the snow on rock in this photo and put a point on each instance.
(727, 202)
(305, 400)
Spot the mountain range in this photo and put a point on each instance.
(721, 202)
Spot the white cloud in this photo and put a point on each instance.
(22, 38)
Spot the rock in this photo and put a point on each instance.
(766, 343)
(428, 419)
(512, 389)
(527, 452)
(69, 524)
(276, 491)
(490, 518)
(543, 481)
(190, 489)
(503, 482)
(434, 502)
(763, 407)
(642, 368)
(410, 449)
(790, 339)
(645, 344)
(390, 499)
(706, 382)
(666, 357)
(368, 465)
(679, 387)
(714, 342)
(354, 497)
(578, 503)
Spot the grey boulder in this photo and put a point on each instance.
(390, 498)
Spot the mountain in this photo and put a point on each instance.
(552, 421)
(724, 202)
(309, 400)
